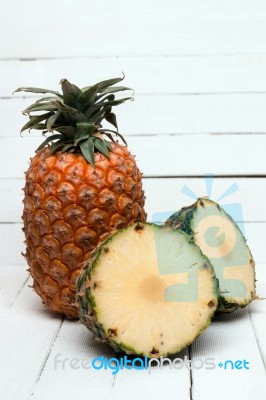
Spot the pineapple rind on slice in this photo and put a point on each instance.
(147, 290)
(225, 247)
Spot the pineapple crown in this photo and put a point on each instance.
(76, 115)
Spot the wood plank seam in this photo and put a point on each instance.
(190, 373)
(19, 291)
(133, 135)
(43, 364)
(257, 339)
(166, 94)
(135, 56)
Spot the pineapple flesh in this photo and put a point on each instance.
(219, 237)
(80, 186)
(147, 290)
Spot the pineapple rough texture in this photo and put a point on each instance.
(219, 237)
(80, 186)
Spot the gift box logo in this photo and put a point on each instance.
(220, 240)
(235, 210)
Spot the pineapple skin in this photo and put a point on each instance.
(69, 208)
(182, 219)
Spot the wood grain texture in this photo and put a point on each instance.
(48, 347)
(28, 332)
(75, 342)
(146, 28)
(167, 114)
(177, 156)
(234, 337)
(12, 245)
(257, 312)
(188, 74)
(12, 281)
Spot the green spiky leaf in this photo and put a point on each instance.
(68, 131)
(49, 98)
(35, 120)
(110, 82)
(49, 140)
(71, 93)
(84, 129)
(100, 145)
(46, 106)
(37, 90)
(77, 116)
(56, 146)
(87, 149)
(40, 127)
(51, 120)
(88, 96)
(111, 118)
(112, 90)
(66, 147)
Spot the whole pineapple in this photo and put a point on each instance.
(80, 186)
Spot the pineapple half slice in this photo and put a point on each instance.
(147, 290)
(222, 241)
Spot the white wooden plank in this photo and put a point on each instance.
(232, 338)
(11, 200)
(182, 155)
(148, 27)
(257, 310)
(12, 245)
(159, 114)
(12, 280)
(28, 332)
(158, 156)
(165, 196)
(157, 383)
(75, 342)
(224, 339)
(147, 75)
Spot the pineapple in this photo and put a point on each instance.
(80, 186)
(221, 240)
(147, 290)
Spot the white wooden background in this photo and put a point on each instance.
(199, 72)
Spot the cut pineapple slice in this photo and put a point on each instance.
(147, 290)
(221, 240)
